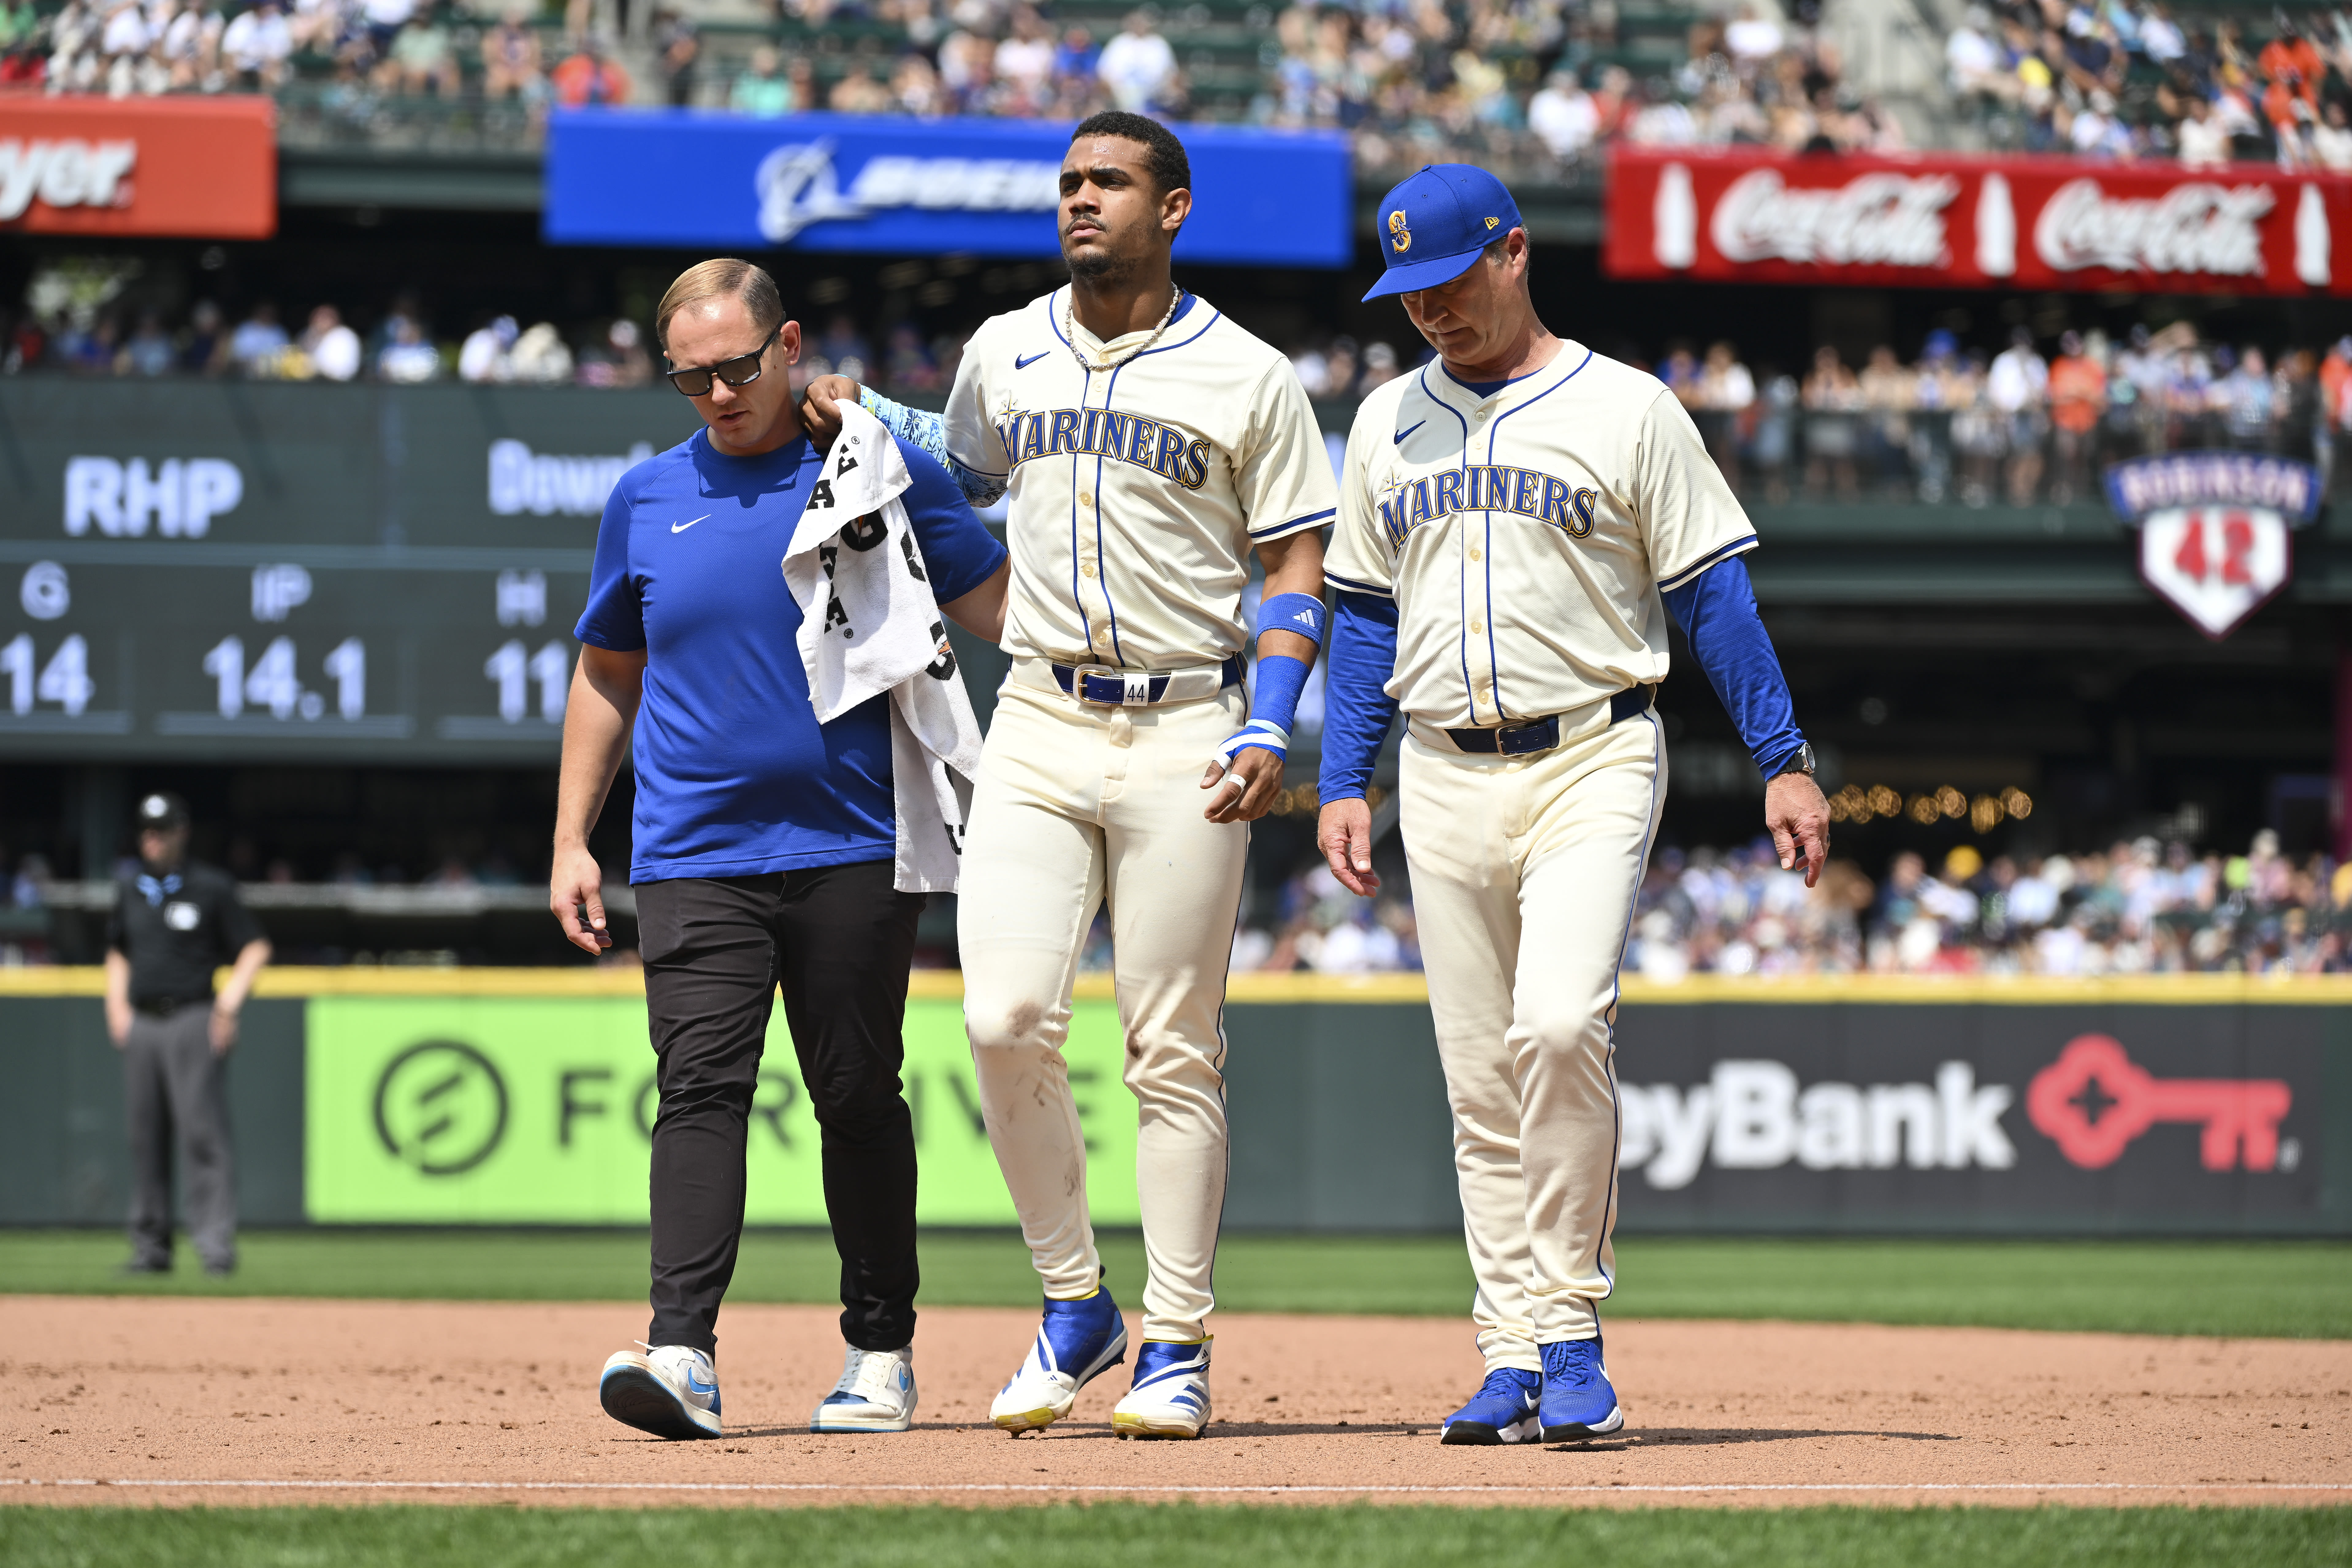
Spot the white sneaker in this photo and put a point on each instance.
(1171, 1396)
(876, 1394)
(671, 1391)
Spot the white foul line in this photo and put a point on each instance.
(918, 1490)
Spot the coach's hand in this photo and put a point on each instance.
(1344, 834)
(1249, 794)
(576, 891)
(820, 414)
(1799, 817)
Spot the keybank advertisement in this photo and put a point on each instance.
(927, 187)
(538, 1110)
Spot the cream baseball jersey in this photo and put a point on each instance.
(1139, 491)
(1525, 534)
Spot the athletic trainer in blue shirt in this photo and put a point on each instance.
(762, 854)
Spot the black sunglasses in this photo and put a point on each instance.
(741, 370)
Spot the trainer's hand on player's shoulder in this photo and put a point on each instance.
(1257, 780)
(820, 413)
(576, 891)
(1344, 834)
(1799, 817)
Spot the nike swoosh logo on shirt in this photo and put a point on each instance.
(682, 527)
(1020, 364)
(1409, 430)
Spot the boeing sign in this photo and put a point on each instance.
(884, 185)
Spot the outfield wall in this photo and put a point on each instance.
(2184, 1105)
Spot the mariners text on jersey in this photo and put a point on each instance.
(1166, 450)
(1527, 491)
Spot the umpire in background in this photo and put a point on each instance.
(174, 922)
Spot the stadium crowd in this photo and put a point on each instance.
(2127, 78)
(2141, 907)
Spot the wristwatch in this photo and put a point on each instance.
(1802, 762)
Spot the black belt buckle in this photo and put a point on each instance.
(1536, 735)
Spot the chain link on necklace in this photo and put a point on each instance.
(1070, 329)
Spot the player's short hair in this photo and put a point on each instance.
(720, 278)
(1165, 157)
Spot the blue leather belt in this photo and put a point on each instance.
(1543, 735)
(1127, 688)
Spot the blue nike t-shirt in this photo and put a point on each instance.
(734, 776)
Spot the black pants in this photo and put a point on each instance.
(838, 941)
(175, 1090)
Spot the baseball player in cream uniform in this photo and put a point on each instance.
(1149, 445)
(1518, 520)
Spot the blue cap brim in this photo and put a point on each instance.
(1426, 274)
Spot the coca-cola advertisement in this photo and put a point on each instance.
(1941, 221)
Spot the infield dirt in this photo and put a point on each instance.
(355, 1400)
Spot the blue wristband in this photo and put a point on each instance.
(1273, 705)
(1299, 613)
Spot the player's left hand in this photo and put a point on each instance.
(820, 414)
(224, 1029)
(1246, 793)
(1799, 817)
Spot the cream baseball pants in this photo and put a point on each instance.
(1078, 807)
(1525, 871)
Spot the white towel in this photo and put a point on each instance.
(869, 623)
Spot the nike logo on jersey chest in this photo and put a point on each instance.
(1020, 363)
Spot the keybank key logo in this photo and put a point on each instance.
(440, 1107)
(1753, 1116)
(2094, 1099)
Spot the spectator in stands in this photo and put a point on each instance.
(620, 362)
(678, 47)
(2204, 144)
(406, 355)
(2331, 139)
(540, 357)
(258, 341)
(1138, 66)
(1563, 116)
(1077, 61)
(511, 60)
(1380, 367)
(331, 348)
(422, 58)
(1024, 64)
(1724, 393)
(591, 77)
(1832, 434)
(203, 349)
(485, 354)
(382, 22)
(257, 46)
(2248, 403)
(2017, 387)
(148, 351)
(2078, 396)
(763, 90)
(1888, 393)
(915, 86)
(858, 93)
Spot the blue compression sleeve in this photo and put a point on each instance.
(1281, 676)
(920, 429)
(1717, 610)
(1357, 709)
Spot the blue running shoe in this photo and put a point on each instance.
(1171, 1396)
(1578, 1400)
(1078, 1341)
(1502, 1410)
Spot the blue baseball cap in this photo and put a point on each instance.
(1436, 221)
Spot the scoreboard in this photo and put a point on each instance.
(220, 571)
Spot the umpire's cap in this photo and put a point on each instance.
(161, 813)
(1436, 221)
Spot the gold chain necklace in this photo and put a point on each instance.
(1070, 331)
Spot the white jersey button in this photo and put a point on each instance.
(1088, 569)
(1085, 498)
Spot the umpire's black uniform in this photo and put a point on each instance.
(176, 925)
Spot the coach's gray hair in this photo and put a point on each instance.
(722, 278)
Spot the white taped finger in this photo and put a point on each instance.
(1233, 780)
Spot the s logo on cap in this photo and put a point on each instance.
(1402, 241)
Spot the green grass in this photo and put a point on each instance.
(2297, 1290)
(1179, 1536)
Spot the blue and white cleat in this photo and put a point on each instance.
(1078, 1341)
(1502, 1410)
(1171, 1396)
(670, 1391)
(1578, 1400)
(876, 1394)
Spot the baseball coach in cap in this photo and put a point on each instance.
(174, 922)
(1517, 521)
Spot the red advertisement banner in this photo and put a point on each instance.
(203, 168)
(1943, 221)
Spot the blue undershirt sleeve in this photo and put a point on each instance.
(1357, 708)
(927, 433)
(1717, 610)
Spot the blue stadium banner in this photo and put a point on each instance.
(884, 185)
